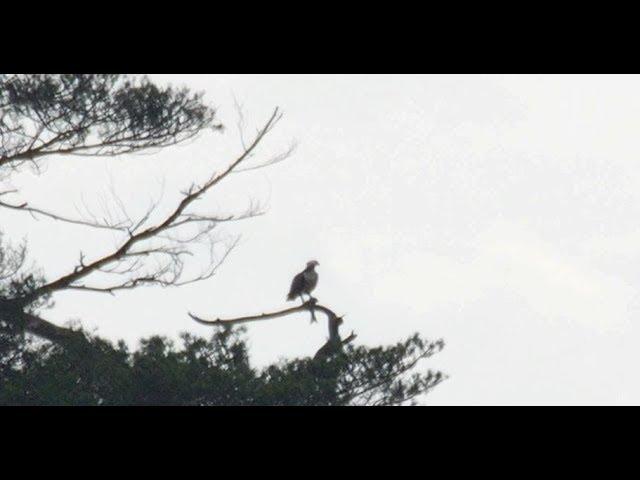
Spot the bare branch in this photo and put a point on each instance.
(167, 274)
(109, 115)
(273, 160)
(24, 207)
(333, 344)
(308, 305)
(240, 123)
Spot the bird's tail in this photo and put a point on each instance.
(290, 297)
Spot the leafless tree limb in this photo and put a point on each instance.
(126, 259)
(24, 207)
(334, 343)
(108, 115)
(273, 160)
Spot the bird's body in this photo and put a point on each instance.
(304, 282)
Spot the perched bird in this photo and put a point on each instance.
(304, 282)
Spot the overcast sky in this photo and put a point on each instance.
(497, 212)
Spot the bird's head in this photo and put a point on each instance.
(312, 264)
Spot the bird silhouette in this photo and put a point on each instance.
(304, 282)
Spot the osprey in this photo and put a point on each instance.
(304, 282)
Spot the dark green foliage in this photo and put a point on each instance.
(16, 278)
(204, 372)
(93, 115)
(87, 370)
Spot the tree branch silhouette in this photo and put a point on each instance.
(109, 115)
(34, 211)
(168, 274)
(93, 115)
(333, 344)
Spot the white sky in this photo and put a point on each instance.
(497, 212)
